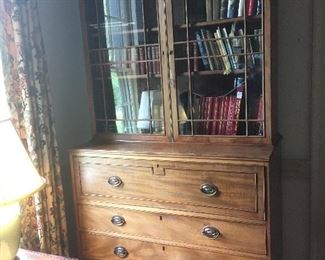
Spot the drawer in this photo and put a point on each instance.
(96, 246)
(239, 191)
(173, 229)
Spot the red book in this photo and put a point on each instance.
(250, 7)
(202, 114)
(215, 116)
(233, 114)
(208, 124)
(224, 115)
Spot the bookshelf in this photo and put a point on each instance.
(184, 162)
(219, 70)
(190, 53)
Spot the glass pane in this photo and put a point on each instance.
(218, 68)
(125, 64)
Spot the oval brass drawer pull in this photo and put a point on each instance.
(118, 220)
(115, 181)
(211, 232)
(121, 252)
(209, 189)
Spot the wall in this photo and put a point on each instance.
(60, 20)
(294, 83)
(63, 45)
(317, 238)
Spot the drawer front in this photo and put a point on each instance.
(95, 246)
(173, 187)
(182, 230)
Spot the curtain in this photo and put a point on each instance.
(27, 87)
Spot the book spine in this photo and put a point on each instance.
(195, 65)
(224, 115)
(241, 8)
(232, 8)
(207, 48)
(258, 7)
(215, 9)
(208, 123)
(223, 51)
(214, 53)
(202, 50)
(229, 50)
(250, 7)
(223, 9)
(208, 8)
(214, 125)
(220, 114)
(231, 117)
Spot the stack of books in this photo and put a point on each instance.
(224, 51)
(224, 9)
(219, 115)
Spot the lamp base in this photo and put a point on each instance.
(9, 231)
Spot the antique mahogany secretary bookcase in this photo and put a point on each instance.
(184, 161)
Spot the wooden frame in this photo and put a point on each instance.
(168, 83)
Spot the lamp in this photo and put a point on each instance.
(156, 108)
(18, 180)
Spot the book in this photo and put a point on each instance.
(241, 5)
(195, 58)
(258, 7)
(214, 51)
(250, 7)
(202, 50)
(223, 115)
(207, 48)
(229, 49)
(236, 47)
(215, 116)
(258, 46)
(208, 114)
(232, 9)
(208, 8)
(223, 9)
(215, 9)
(233, 114)
(223, 52)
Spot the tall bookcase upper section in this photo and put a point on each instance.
(180, 70)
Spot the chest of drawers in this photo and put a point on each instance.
(146, 204)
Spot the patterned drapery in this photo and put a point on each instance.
(26, 82)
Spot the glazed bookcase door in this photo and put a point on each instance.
(218, 63)
(124, 49)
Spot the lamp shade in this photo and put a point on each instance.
(18, 176)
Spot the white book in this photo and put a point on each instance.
(241, 8)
